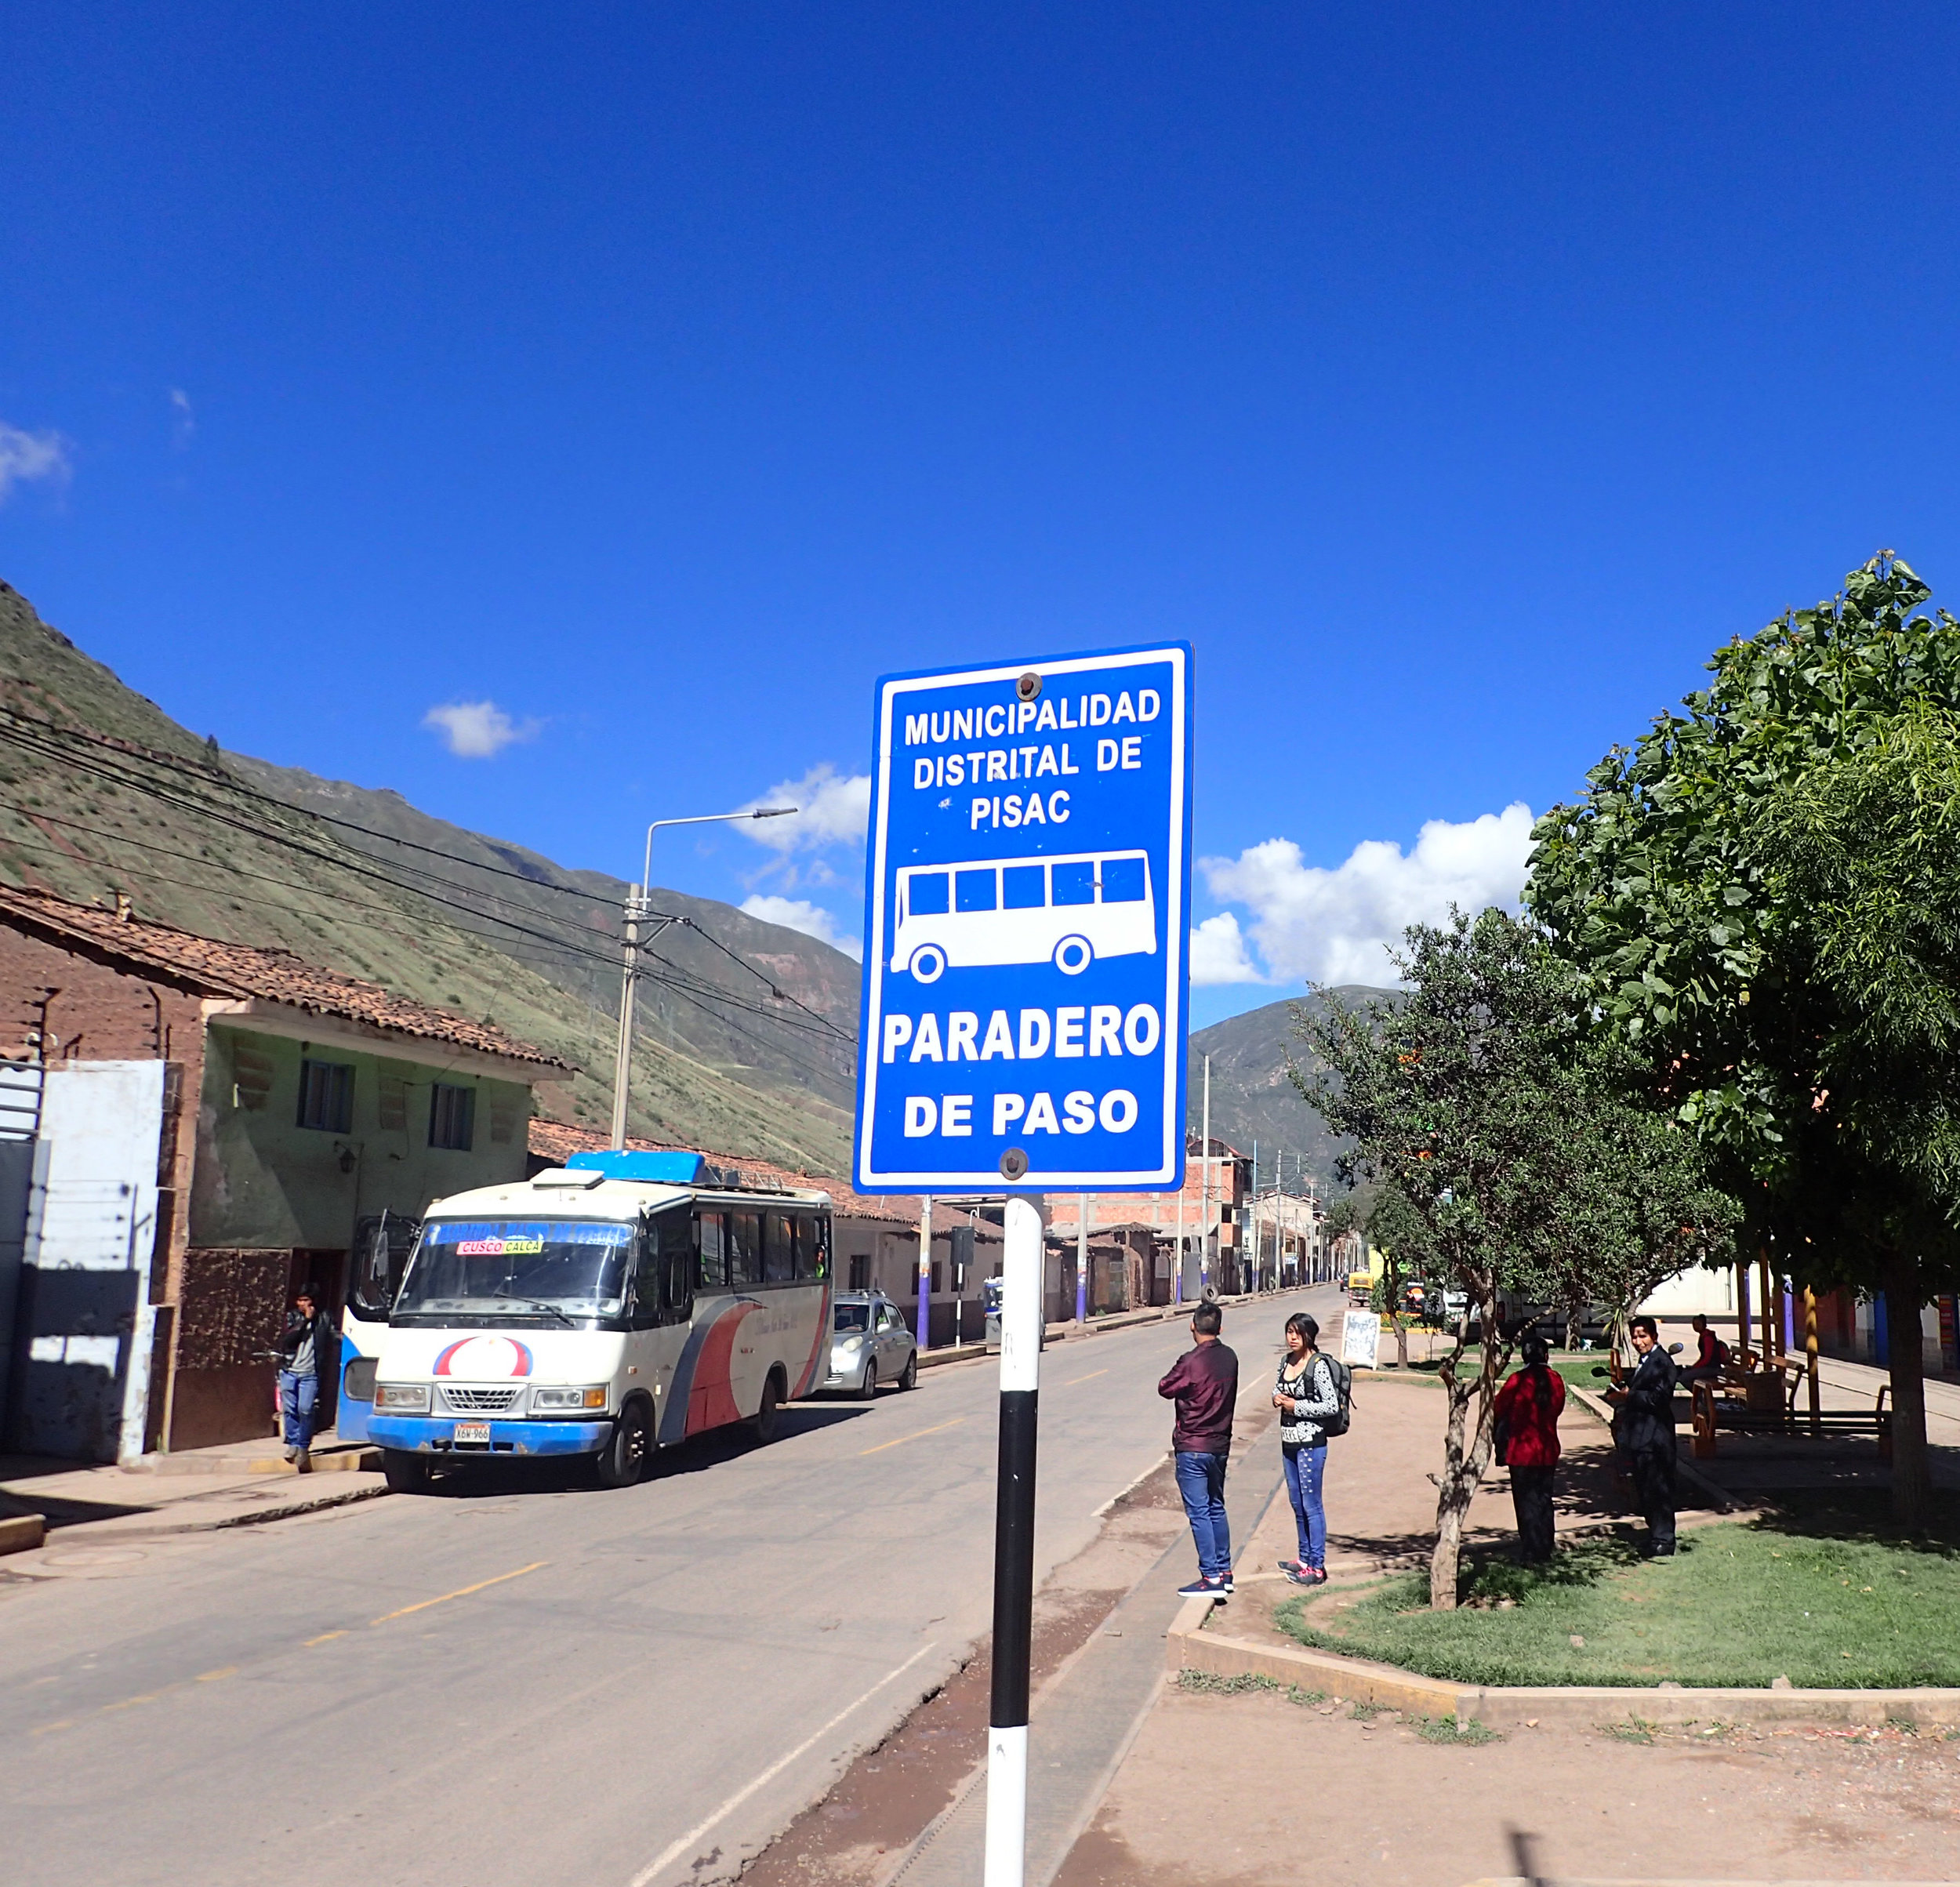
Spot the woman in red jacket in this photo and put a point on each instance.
(1527, 1414)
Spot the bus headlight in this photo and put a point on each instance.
(402, 1398)
(558, 1402)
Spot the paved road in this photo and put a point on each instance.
(557, 1685)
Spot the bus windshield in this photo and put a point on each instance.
(488, 1267)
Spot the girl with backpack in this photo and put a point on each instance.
(1308, 1395)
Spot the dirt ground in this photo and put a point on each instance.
(1229, 1792)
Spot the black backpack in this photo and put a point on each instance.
(1337, 1424)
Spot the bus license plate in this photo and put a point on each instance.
(467, 1433)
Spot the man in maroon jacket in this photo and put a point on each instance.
(1204, 1383)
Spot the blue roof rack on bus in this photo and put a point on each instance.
(659, 1169)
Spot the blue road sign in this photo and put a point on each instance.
(1026, 926)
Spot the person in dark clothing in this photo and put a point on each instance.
(306, 1351)
(1645, 1431)
(1204, 1383)
(1528, 1407)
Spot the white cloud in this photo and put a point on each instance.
(832, 809)
(184, 419)
(1338, 926)
(27, 456)
(800, 914)
(1218, 952)
(477, 729)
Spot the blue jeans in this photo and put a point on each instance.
(1201, 1481)
(299, 1396)
(1304, 1467)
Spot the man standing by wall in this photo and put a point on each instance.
(306, 1354)
(1204, 1384)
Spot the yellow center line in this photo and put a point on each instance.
(460, 1592)
(211, 1677)
(324, 1636)
(1090, 1378)
(130, 1702)
(45, 1728)
(955, 1423)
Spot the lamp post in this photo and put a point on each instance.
(636, 910)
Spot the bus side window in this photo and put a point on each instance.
(1123, 881)
(711, 1264)
(745, 1249)
(807, 1232)
(778, 1265)
(926, 895)
(1024, 887)
(673, 1236)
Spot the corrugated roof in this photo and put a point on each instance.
(244, 971)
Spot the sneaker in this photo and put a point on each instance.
(1226, 1585)
(1317, 1575)
(292, 1453)
(1202, 1588)
(1298, 1575)
(1290, 1567)
(304, 1460)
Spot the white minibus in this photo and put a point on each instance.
(609, 1308)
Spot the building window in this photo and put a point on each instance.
(326, 1096)
(861, 1270)
(453, 1117)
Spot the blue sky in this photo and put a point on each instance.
(1454, 379)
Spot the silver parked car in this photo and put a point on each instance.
(870, 1343)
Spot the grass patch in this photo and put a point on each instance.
(1821, 1591)
(1204, 1683)
(1447, 1729)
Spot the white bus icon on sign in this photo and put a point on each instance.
(1067, 911)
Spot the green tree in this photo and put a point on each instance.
(1759, 899)
(1447, 1093)
(1395, 1228)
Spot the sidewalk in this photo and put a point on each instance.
(236, 1485)
(1231, 1790)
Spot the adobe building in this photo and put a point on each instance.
(190, 1131)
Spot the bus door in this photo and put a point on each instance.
(381, 1243)
(662, 1305)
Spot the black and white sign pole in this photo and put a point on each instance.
(1021, 1325)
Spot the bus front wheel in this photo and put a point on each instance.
(623, 1459)
(928, 964)
(407, 1472)
(1072, 955)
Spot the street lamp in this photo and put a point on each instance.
(637, 909)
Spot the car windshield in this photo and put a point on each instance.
(491, 1266)
(852, 1317)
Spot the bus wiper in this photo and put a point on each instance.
(537, 1303)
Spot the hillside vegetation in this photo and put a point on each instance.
(746, 1034)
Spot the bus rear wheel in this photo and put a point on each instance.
(1073, 955)
(763, 1422)
(928, 964)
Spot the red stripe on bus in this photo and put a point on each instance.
(711, 1401)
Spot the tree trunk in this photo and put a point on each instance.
(1573, 1313)
(1912, 1476)
(1466, 1450)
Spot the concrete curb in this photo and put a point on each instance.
(22, 1533)
(1188, 1646)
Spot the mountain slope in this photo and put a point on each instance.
(1252, 1098)
(745, 1041)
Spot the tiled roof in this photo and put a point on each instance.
(555, 1140)
(242, 971)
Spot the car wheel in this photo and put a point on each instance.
(764, 1421)
(910, 1378)
(623, 1459)
(406, 1473)
(868, 1388)
(928, 964)
(1073, 955)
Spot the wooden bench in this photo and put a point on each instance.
(1714, 1413)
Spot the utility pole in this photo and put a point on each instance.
(1204, 1221)
(622, 1059)
(925, 1272)
(1184, 1179)
(1253, 1203)
(1081, 1258)
(637, 903)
